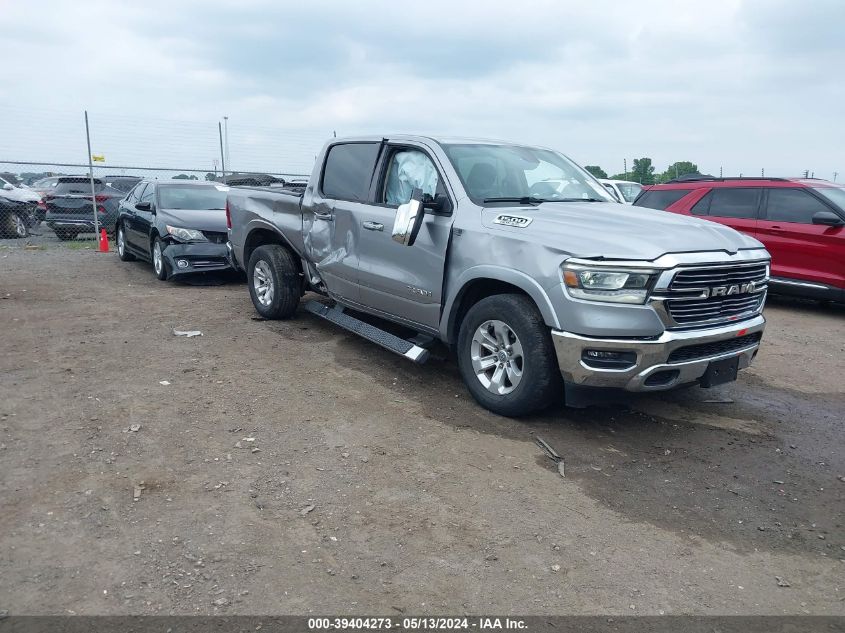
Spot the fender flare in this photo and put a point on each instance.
(510, 276)
(260, 224)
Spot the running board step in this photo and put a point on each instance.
(370, 332)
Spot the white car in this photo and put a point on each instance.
(624, 191)
(18, 209)
(20, 194)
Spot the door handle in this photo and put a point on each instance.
(776, 228)
(373, 226)
(328, 217)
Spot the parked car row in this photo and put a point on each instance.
(63, 202)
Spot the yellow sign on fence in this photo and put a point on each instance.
(98, 158)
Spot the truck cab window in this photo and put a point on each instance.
(409, 169)
(348, 170)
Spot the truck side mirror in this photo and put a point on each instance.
(409, 217)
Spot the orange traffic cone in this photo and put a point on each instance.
(104, 241)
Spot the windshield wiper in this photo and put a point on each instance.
(518, 200)
(579, 200)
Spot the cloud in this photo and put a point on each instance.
(741, 84)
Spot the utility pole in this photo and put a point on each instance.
(226, 136)
(625, 162)
(720, 171)
(763, 172)
(91, 176)
(222, 155)
(835, 174)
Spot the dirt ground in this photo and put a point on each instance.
(292, 468)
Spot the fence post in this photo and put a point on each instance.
(91, 176)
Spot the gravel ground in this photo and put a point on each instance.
(291, 468)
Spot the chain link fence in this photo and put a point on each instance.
(51, 187)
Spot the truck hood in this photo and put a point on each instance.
(617, 231)
(204, 220)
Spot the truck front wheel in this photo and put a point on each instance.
(506, 356)
(273, 280)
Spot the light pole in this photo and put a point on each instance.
(226, 136)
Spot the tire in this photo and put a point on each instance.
(20, 225)
(120, 241)
(14, 224)
(513, 370)
(159, 262)
(273, 281)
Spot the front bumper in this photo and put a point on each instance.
(653, 369)
(196, 257)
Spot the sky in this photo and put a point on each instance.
(737, 85)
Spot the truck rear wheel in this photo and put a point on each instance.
(273, 280)
(506, 356)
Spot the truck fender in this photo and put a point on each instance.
(494, 273)
(260, 224)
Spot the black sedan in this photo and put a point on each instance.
(179, 227)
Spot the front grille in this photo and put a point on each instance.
(705, 350)
(691, 311)
(687, 309)
(216, 237)
(692, 278)
(207, 263)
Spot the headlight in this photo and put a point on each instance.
(601, 284)
(186, 235)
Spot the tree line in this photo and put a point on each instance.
(642, 171)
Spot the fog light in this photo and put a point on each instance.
(608, 359)
(182, 263)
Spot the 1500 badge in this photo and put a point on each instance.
(513, 220)
(419, 291)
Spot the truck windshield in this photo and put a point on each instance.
(503, 173)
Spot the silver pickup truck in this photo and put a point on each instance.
(514, 257)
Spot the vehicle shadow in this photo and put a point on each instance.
(809, 306)
(700, 462)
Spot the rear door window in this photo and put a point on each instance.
(349, 170)
(660, 199)
(729, 202)
(793, 205)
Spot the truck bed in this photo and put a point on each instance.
(280, 207)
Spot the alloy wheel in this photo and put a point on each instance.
(497, 357)
(262, 282)
(158, 262)
(20, 226)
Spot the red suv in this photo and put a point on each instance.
(800, 221)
